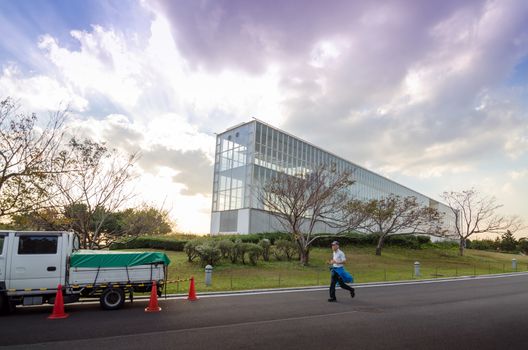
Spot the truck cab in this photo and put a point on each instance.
(33, 264)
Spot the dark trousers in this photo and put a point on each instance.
(336, 278)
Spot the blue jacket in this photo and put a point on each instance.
(344, 274)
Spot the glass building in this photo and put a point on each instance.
(249, 154)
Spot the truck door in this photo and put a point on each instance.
(3, 260)
(36, 261)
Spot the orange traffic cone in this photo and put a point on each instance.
(192, 291)
(58, 306)
(153, 303)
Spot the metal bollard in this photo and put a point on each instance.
(208, 275)
(417, 269)
(514, 264)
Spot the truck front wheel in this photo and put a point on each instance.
(6, 305)
(112, 299)
(3, 304)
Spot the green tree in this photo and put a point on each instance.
(523, 245)
(508, 242)
(47, 219)
(145, 220)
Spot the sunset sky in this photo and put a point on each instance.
(432, 94)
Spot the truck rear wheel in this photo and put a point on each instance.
(112, 299)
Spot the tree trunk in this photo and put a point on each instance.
(461, 246)
(381, 240)
(304, 256)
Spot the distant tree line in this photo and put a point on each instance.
(505, 243)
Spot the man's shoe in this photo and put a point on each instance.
(352, 293)
(332, 300)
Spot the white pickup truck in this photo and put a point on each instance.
(33, 264)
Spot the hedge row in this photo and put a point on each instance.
(360, 239)
(163, 243)
(356, 239)
(177, 244)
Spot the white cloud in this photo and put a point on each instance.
(519, 175)
(104, 65)
(160, 105)
(39, 92)
(517, 143)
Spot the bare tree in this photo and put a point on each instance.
(29, 155)
(93, 191)
(300, 202)
(475, 213)
(395, 215)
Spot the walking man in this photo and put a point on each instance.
(339, 274)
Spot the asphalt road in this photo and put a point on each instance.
(470, 314)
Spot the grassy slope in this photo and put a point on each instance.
(394, 264)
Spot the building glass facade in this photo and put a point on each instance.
(250, 154)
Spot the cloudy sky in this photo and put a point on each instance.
(431, 94)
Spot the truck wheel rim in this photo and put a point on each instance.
(112, 298)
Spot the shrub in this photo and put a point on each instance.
(225, 246)
(209, 253)
(285, 249)
(237, 251)
(254, 251)
(242, 250)
(265, 244)
(190, 249)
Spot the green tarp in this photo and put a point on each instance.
(94, 258)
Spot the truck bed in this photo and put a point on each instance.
(94, 276)
(100, 267)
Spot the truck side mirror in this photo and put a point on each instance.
(76, 243)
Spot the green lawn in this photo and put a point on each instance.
(395, 264)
